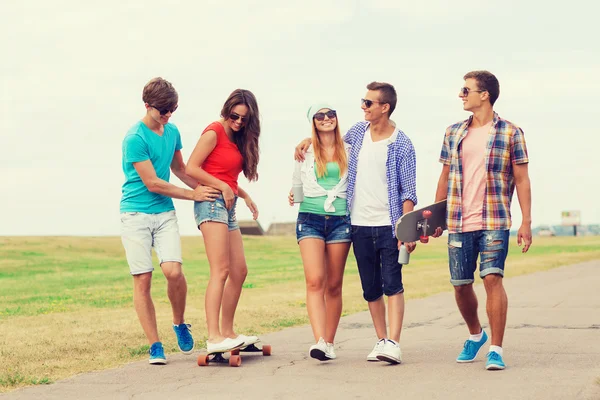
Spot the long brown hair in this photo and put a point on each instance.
(339, 154)
(247, 138)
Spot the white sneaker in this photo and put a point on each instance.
(378, 347)
(330, 352)
(319, 350)
(248, 340)
(222, 347)
(391, 352)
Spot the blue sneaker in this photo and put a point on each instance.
(157, 354)
(185, 341)
(494, 361)
(470, 350)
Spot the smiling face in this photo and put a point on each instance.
(238, 117)
(472, 97)
(372, 106)
(325, 120)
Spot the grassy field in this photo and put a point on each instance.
(66, 302)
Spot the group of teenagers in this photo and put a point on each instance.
(352, 189)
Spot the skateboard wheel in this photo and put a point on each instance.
(203, 360)
(424, 239)
(235, 361)
(266, 349)
(235, 352)
(427, 214)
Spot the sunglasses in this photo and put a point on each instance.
(235, 117)
(369, 103)
(331, 114)
(465, 91)
(164, 111)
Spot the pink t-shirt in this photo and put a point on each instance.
(474, 177)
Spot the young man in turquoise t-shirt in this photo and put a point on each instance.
(151, 149)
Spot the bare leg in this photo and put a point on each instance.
(396, 315)
(238, 270)
(216, 242)
(497, 307)
(313, 258)
(144, 306)
(336, 255)
(467, 305)
(176, 289)
(377, 309)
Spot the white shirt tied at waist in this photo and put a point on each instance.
(305, 176)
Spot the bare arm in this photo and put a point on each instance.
(147, 173)
(442, 187)
(206, 144)
(442, 192)
(301, 149)
(249, 202)
(523, 184)
(178, 168)
(408, 206)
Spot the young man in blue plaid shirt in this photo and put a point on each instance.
(381, 188)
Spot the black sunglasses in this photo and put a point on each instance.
(369, 103)
(164, 111)
(465, 91)
(235, 117)
(331, 114)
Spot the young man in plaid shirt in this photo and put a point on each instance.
(484, 158)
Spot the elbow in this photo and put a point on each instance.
(153, 186)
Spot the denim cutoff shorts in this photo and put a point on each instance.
(215, 211)
(329, 228)
(463, 249)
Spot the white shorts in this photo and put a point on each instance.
(140, 232)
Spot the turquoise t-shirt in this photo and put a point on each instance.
(316, 205)
(141, 144)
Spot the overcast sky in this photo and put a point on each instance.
(72, 73)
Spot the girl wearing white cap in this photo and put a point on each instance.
(323, 226)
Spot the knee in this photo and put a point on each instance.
(174, 275)
(463, 289)
(142, 284)
(239, 274)
(492, 281)
(315, 285)
(334, 289)
(221, 274)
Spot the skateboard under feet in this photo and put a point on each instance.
(235, 359)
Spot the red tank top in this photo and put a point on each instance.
(225, 161)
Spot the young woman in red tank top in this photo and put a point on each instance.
(226, 148)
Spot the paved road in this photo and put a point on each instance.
(552, 348)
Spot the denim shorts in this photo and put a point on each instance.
(463, 249)
(141, 232)
(376, 252)
(215, 211)
(328, 228)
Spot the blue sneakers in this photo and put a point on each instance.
(470, 349)
(494, 361)
(185, 341)
(157, 354)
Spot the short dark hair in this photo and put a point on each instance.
(388, 94)
(160, 93)
(486, 81)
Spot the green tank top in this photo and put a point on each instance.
(315, 205)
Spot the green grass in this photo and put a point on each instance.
(66, 303)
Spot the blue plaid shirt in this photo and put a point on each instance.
(401, 169)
